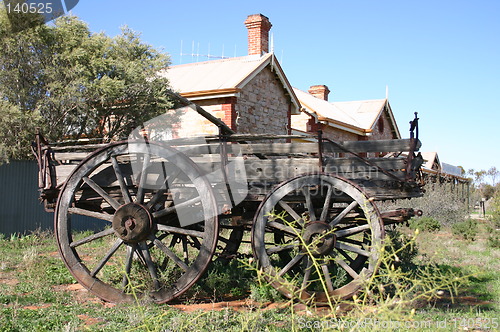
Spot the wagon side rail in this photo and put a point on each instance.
(47, 180)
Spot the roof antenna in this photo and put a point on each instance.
(181, 53)
(272, 42)
(386, 92)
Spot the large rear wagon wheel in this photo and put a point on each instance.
(136, 221)
(317, 237)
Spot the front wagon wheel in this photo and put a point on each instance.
(136, 221)
(317, 237)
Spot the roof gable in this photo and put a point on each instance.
(224, 77)
(431, 160)
(354, 116)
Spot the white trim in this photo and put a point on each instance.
(222, 95)
(353, 131)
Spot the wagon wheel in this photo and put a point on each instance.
(317, 235)
(153, 220)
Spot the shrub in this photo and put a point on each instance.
(428, 224)
(466, 229)
(404, 249)
(495, 210)
(440, 202)
(263, 292)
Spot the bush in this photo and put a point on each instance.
(440, 202)
(466, 229)
(495, 210)
(428, 224)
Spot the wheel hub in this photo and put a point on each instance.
(132, 222)
(319, 238)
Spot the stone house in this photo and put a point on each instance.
(251, 94)
(344, 121)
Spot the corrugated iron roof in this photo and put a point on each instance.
(360, 114)
(215, 74)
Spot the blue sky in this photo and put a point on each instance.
(438, 58)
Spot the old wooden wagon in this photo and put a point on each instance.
(164, 211)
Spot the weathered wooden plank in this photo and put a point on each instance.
(392, 145)
(81, 147)
(400, 145)
(70, 156)
(281, 169)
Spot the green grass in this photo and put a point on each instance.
(32, 298)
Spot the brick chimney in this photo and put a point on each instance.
(319, 91)
(258, 27)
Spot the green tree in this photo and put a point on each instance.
(73, 83)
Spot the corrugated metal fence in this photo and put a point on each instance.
(20, 209)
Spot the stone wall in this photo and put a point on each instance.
(382, 129)
(338, 135)
(263, 107)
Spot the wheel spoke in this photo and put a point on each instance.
(288, 229)
(326, 205)
(346, 267)
(290, 211)
(223, 239)
(307, 273)
(113, 202)
(156, 197)
(170, 254)
(128, 264)
(328, 279)
(309, 203)
(356, 250)
(351, 231)
(279, 248)
(351, 241)
(142, 180)
(342, 214)
(93, 214)
(197, 243)
(92, 237)
(185, 250)
(290, 264)
(121, 180)
(178, 230)
(346, 255)
(149, 262)
(172, 209)
(106, 258)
